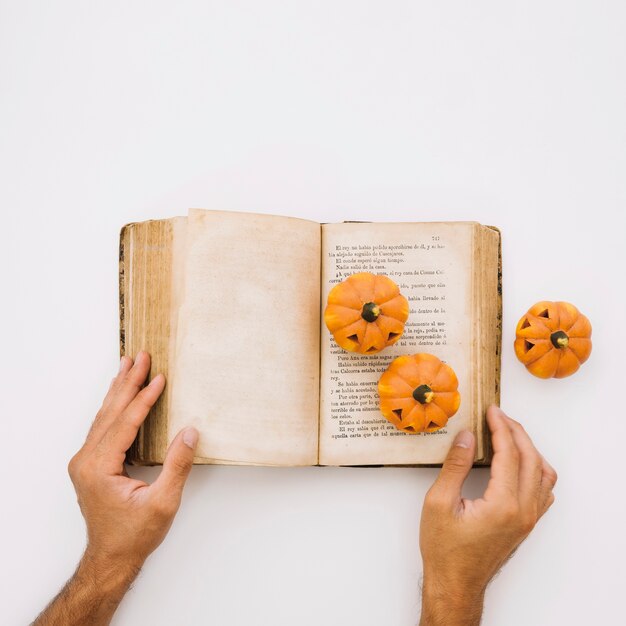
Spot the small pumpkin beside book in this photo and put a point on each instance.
(553, 339)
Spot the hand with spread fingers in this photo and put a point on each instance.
(126, 518)
(465, 542)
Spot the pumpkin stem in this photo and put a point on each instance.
(423, 394)
(370, 312)
(559, 339)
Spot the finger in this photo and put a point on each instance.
(130, 384)
(530, 468)
(548, 481)
(124, 392)
(168, 487)
(505, 463)
(123, 431)
(98, 426)
(125, 364)
(456, 467)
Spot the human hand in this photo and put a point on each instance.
(127, 518)
(465, 542)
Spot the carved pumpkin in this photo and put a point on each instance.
(418, 393)
(366, 313)
(553, 339)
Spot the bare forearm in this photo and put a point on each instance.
(91, 596)
(441, 607)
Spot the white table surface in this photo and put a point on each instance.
(506, 113)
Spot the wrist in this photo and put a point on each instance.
(449, 603)
(112, 576)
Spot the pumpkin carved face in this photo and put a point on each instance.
(366, 313)
(418, 393)
(553, 339)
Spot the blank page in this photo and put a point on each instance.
(246, 361)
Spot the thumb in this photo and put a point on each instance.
(457, 465)
(177, 464)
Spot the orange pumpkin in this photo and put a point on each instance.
(366, 313)
(553, 339)
(418, 393)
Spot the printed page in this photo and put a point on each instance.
(246, 364)
(432, 265)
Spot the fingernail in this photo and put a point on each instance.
(463, 439)
(121, 365)
(156, 380)
(497, 410)
(190, 438)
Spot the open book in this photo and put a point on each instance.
(230, 307)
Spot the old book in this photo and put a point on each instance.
(230, 307)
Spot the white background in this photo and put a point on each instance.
(511, 114)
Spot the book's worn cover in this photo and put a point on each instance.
(122, 287)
